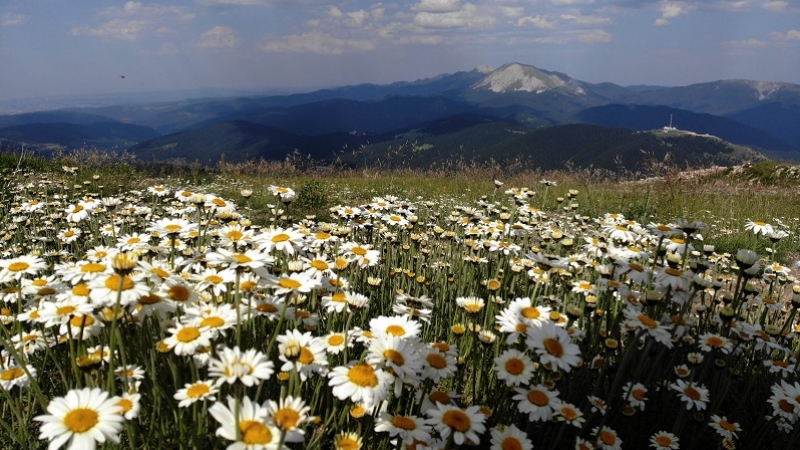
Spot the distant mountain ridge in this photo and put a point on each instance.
(525, 98)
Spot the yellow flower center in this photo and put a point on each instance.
(530, 312)
(266, 308)
(727, 425)
(18, 266)
(538, 397)
(149, 299)
(336, 339)
(283, 237)
(214, 279)
(404, 423)
(93, 267)
(647, 321)
(12, 374)
(608, 437)
(286, 418)
(692, 393)
(664, 441)
(306, 356)
(320, 264)
(113, 283)
(80, 420)
(197, 390)
(514, 366)
(178, 293)
(395, 330)
(219, 202)
(65, 310)
(457, 420)
(394, 356)
(362, 374)
(173, 228)
(188, 334)
(289, 283)
(241, 259)
(673, 272)
(638, 394)
(554, 347)
(511, 443)
(360, 251)
(212, 322)
(347, 443)
(125, 404)
(81, 321)
(715, 342)
(254, 433)
(436, 360)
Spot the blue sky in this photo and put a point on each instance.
(79, 47)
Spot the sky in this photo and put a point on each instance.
(52, 48)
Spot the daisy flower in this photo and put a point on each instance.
(347, 441)
(285, 240)
(607, 438)
(399, 356)
(302, 352)
(360, 382)
(301, 282)
(514, 367)
(336, 341)
(130, 405)
(569, 413)
(255, 430)
(693, 394)
(712, 341)
(400, 326)
(197, 391)
(635, 395)
(249, 367)
(408, 428)
(289, 415)
(553, 345)
(82, 418)
(538, 401)
(15, 375)
(185, 339)
(463, 424)
(509, 437)
(106, 288)
(663, 440)
(439, 364)
(16, 268)
(758, 227)
(723, 427)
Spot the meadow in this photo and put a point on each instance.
(477, 306)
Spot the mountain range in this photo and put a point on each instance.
(515, 110)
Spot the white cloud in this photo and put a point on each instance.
(671, 10)
(536, 21)
(571, 2)
(219, 37)
(121, 29)
(420, 39)
(593, 36)
(596, 36)
(319, 43)
(586, 20)
(437, 6)
(353, 19)
(661, 22)
(135, 19)
(746, 43)
(791, 35)
(776, 6)
(467, 16)
(511, 11)
(11, 20)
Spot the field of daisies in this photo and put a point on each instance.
(166, 317)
